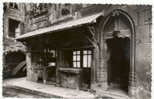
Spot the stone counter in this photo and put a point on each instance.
(70, 77)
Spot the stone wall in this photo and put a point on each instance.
(52, 16)
(69, 80)
(11, 46)
(143, 52)
(142, 22)
(141, 15)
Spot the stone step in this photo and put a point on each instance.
(112, 95)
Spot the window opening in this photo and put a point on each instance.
(82, 58)
(76, 59)
(13, 6)
(13, 26)
(50, 57)
(87, 54)
(65, 12)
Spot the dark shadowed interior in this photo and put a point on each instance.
(118, 63)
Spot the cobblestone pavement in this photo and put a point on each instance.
(52, 90)
(20, 87)
(12, 92)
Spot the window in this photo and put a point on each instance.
(66, 9)
(50, 57)
(5, 6)
(87, 55)
(13, 5)
(13, 27)
(82, 59)
(76, 59)
(148, 20)
(147, 16)
(65, 12)
(38, 9)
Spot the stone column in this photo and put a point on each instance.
(132, 81)
(132, 85)
(99, 70)
(94, 68)
(132, 75)
(103, 66)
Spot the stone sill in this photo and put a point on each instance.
(42, 68)
(70, 70)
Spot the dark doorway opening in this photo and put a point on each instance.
(118, 63)
(14, 65)
(85, 78)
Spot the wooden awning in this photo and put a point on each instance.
(67, 25)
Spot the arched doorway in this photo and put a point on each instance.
(118, 41)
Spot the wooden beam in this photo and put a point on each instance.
(91, 41)
(93, 32)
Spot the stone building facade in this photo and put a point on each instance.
(83, 46)
(13, 53)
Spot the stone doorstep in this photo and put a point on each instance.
(46, 95)
(112, 94)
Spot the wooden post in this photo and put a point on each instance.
(93, 68)
(58, 62)
(28, 64)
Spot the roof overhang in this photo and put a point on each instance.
(66, 25)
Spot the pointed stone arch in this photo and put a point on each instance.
(107, 18)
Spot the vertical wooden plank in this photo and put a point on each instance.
(28, 64)
(57, 67)
(59, 62)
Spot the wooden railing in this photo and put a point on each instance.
(18, 67)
